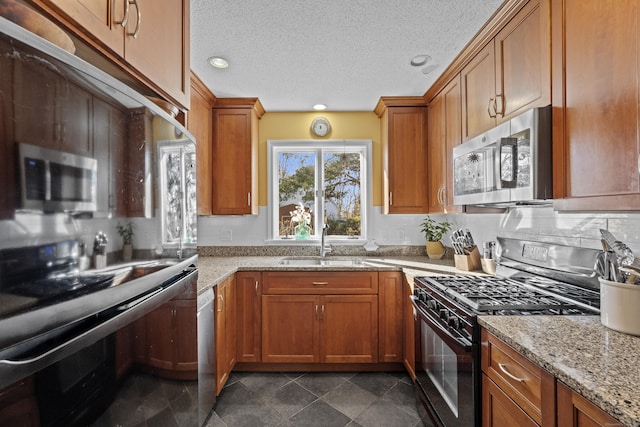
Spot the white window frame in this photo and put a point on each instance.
(362, 145)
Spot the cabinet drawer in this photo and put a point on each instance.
(522, 380)
(318, 283)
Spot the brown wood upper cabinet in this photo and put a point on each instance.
(235, 156)
(511, 73)
(596, 93)
(149, 40)
(404, 153)
(445, 115)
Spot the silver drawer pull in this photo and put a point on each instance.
(509, 374)
(320, 283)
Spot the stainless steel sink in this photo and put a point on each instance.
(312, 262)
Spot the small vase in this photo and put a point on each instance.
(435, 250)
(127, 252)
(302, 231)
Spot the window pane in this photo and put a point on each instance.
(296, 177)
(342, 193)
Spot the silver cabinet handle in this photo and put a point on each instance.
(138, 18)
(125, 19)
(256, 287)
(319, 283)
(316, 311)
(391, 198)
(249, 199)
(502, 106)
(509, 374)
(322, 311)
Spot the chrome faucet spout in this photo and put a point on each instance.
(324, 250)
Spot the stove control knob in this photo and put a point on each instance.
(444, 314)
(432, 304)
(422, 296)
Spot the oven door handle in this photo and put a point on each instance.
(442, 332)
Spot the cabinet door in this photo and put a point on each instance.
(185, 329)
(499, 410)
(222, 375)
(596, 132)
(75, 122)
(230, 324)
(159, 337)
(391, 312)
(290, 328)
(249, 316)
(406, 156)
(232, 159)
(156, 38)
(576, 411)
(445, 132)
(479, 93)
(97, 17)
(523, 68)
(199, 122)
(349, 329)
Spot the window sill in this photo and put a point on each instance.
(315, 242)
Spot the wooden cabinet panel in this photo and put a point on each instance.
(390, 315)
(249, 316)
(234, 161)
(522, 55)
(97, 17)
(409, 330)
(313, 283)
(596, 129)
(152, 43)
(406, 154)
(349, 329)
(185, 329)
(199, 123)
(478, 93)
(576, 411)
(445, 132)
(290, 328)
(225, 326)
(499, 410)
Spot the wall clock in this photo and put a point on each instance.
(320, 126)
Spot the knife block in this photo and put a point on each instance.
(470, 261)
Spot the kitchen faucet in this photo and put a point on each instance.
(323, 250)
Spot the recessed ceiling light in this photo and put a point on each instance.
(420, 60)
(319, 107)
(218, 62)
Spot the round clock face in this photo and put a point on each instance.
(320, 126)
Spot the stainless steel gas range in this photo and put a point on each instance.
(532, 278)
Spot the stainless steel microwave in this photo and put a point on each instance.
(508, 165)
(55, 181)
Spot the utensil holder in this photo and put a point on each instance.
(488, 265)
(619, 303)
(468, 262)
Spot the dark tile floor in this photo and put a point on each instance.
(316, 399)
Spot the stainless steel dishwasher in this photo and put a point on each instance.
(206, 356)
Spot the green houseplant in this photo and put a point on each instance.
(126, 233)
(433, 232)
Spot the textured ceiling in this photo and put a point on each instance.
(344, 53)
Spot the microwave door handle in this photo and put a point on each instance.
(509, 146)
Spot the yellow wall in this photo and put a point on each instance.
(344, 125)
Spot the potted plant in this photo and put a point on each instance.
(126, 232)
(433, 232)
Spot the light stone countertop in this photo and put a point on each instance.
(599, 363)
(213, 270)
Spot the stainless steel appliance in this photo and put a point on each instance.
(509, 164)
(532, 278)
(55, 181)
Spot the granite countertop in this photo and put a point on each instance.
(599, 363)
(214, 269)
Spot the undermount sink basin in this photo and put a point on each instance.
(320, 262)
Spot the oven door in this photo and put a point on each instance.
(447, 374)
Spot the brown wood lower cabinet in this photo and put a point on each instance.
(576, 411)
(167, 342)
(225, 311)
(320, 329)
(517, 392)
(249, 316)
